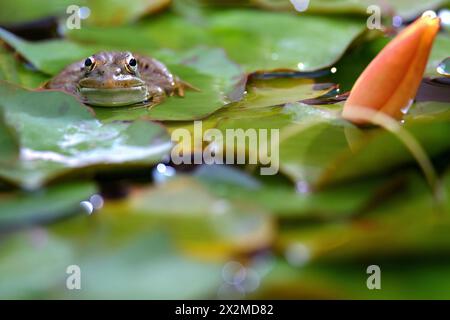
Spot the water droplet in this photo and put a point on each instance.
(84, 12)
(444, 67)
(87, 206)
(444, 15)
(397, 21)
(405, 109)
(300, 5)
(97, 201)
(297, 254)
(333, 70)
(301, 66)
(302, 187)
(163, 173)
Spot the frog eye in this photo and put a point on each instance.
(89, 63)
(131, 64)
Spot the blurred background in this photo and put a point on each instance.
(92, 207)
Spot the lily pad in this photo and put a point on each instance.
(292, 202)
(414, 279)
(14, 71)
(440, 51)
(9, 144)
(226, 227)
(58, 135)
(328, 150)
(21, 208)
(399, 227)
(145, 266)
(407, 9)
(49, 56)
(217, 79)
(101, 12)
(258, 40)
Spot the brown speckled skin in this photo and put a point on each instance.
(111, 64)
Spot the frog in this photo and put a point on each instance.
(118, 79)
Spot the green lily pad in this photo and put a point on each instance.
(58, 135)
(32, 262)
(9, 144)
(111, 13)
(444, 67)
(217, 79)
(101, 12)
(257, 40)
(14, 71)
(226, 227)
(23, 11)
(329, 150)
(262, 107)
(288, 201)
(407, 9)
(414, 279)
(26, 208)
(402, 226)
(405, 237)
(145, 266)
(49, 56)
(440, 51)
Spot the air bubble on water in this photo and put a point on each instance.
(444, 15)
(84, 12)
(97, 201)
(300, 5)
(87, 207)
(162, 173)
(397, 21)
(297, 254)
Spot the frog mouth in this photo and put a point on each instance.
(114, 97)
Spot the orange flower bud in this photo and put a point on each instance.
(390, 82)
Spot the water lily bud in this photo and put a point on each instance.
(390, 83)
